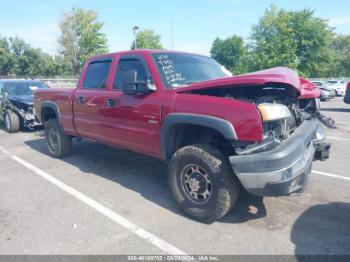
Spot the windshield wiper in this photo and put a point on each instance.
(190, 82)
(184, 84)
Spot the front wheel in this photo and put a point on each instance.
(202, 182)
(12, 122)
(58, 144)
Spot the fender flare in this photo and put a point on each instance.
(224, 127)
(55, 108)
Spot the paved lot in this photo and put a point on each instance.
(102, 200)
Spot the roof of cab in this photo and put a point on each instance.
(141, 52)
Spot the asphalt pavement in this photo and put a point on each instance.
(103, 200)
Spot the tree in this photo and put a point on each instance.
(29, 64)
(19, 58)
(26, 58)
(294, 39)
(22, 56)
(341, 47)
(231, 52)
(18, 46)
(147, 39)
(47, 65)
(81, 37)
(62, 67)
(6, 57)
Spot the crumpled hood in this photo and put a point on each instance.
(281, 75)
(308, 89)
(25, 99)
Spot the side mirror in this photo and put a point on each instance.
(132, 86)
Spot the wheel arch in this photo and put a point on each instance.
(50, 110)
(174, 124)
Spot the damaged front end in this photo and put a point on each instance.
(292, 139)
(23, 108)
(280, 121)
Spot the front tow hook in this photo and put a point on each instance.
(322, 150)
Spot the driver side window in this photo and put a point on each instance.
(130, 64)
(97, 75)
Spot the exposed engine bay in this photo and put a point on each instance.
(23, 108)
(280, 109)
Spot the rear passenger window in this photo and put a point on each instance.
(129, 65)
(96, 75)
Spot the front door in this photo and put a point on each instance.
(134, 121)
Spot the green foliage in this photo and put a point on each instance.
(62, 68)
(294, 39)
(18, 46)
(271, 42)
(231, 52)
(81, 37)
(6, 57)
(147, 39)
(341, 48)
(20, 59)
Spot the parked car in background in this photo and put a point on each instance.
(347, 94)
(338, 86)
(326, 92)
(16, 103)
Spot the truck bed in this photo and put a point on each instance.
(64, 98)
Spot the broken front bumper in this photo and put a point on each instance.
(284, 169)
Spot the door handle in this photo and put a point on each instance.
(110, 102)
(81, 100)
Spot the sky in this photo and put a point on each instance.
(196, 22)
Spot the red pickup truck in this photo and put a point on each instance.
(218, 133)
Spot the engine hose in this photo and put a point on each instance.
(327, 121)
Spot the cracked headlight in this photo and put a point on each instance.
(273, 112)
(29, 117)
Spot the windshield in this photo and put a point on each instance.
(318, 83)
(332, 82)
(177, 70)
(23, 88)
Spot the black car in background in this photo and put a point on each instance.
(347, 94)
(16, 103)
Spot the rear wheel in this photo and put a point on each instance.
(202, 182)
(12, 122)
(58, 144)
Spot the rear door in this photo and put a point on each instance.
(90, 99)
